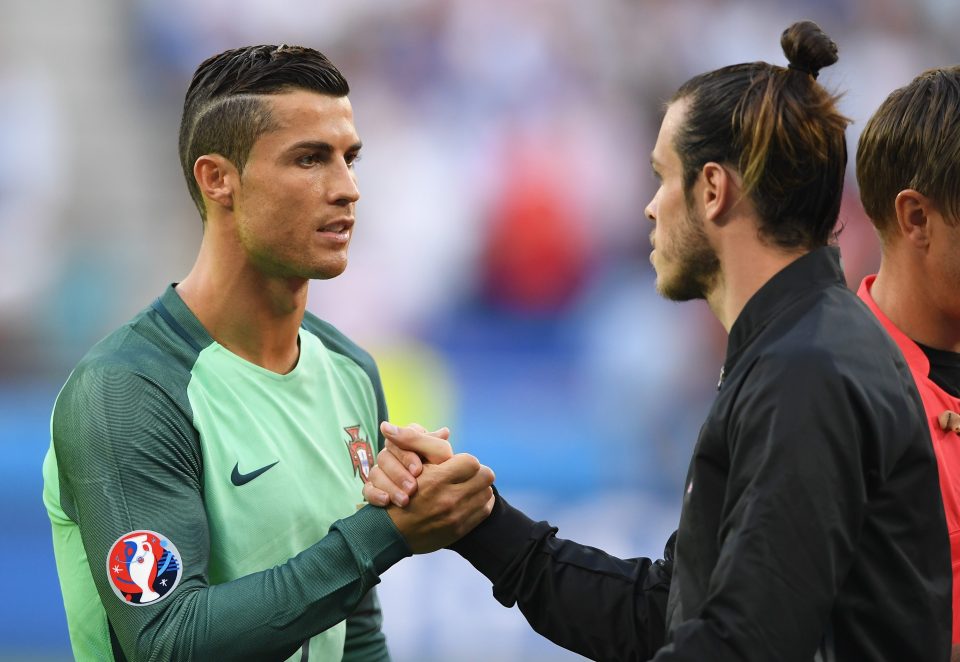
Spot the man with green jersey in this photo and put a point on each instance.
(207, 458)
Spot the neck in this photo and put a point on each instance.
(255, 316)
(743, 271)
(901, 291)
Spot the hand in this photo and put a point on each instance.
(452, 499)
(394, 476)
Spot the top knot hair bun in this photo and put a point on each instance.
(808, 48)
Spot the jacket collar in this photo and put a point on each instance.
(818, 269)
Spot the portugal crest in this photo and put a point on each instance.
(361, 453)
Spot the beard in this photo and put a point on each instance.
(694, 267)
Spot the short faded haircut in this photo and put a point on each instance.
(224, 111)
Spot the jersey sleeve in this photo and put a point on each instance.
(579, 597)
(365, 641)
(791, 517)
(129, 461)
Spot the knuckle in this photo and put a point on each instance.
(446, 503)
(470, 462)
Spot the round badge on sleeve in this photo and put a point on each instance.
(144, 567)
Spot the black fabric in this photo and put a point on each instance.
(812, 524)
(944, 369)
(579, 597)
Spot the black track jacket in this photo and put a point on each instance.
(812, 525)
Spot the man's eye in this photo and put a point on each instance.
(351, 160)
(308, 160)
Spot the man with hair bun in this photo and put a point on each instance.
(812, 526)
(908, 166)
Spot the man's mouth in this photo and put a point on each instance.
(339, 229)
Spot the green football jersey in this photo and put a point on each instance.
(204, 507)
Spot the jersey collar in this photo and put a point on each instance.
(915, 357)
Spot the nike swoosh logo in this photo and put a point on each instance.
(239, 479)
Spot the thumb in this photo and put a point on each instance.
(440, 433)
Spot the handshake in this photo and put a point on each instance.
(433, 496)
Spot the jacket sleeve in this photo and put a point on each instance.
(579, 597)
(790, 519)
(128, 460)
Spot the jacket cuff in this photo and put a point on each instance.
(498, 540)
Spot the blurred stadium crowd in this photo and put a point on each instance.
(499, 267)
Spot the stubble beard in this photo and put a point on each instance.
(295, 263)
(697, 266)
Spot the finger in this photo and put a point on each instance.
(399, 476)
(441, 433)
(459, 469)
(487, 474)
(382, 481)
(433, 449)
(408, 459)
(375, 496)
(479, 482)
(478, 507)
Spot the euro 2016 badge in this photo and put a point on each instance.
(144, 567)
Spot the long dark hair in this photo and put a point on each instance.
(780, 130)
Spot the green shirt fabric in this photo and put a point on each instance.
(232, 491)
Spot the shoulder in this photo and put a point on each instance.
(835, 355)
(836, 334)
(140, 350)
(137, 373)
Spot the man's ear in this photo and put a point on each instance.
(913, 210)
(217, 178)
(720, 191)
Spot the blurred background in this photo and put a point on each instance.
(499, 270)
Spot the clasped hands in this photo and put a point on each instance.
(433, 496)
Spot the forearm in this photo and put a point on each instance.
(578, 597)
(270, 614)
